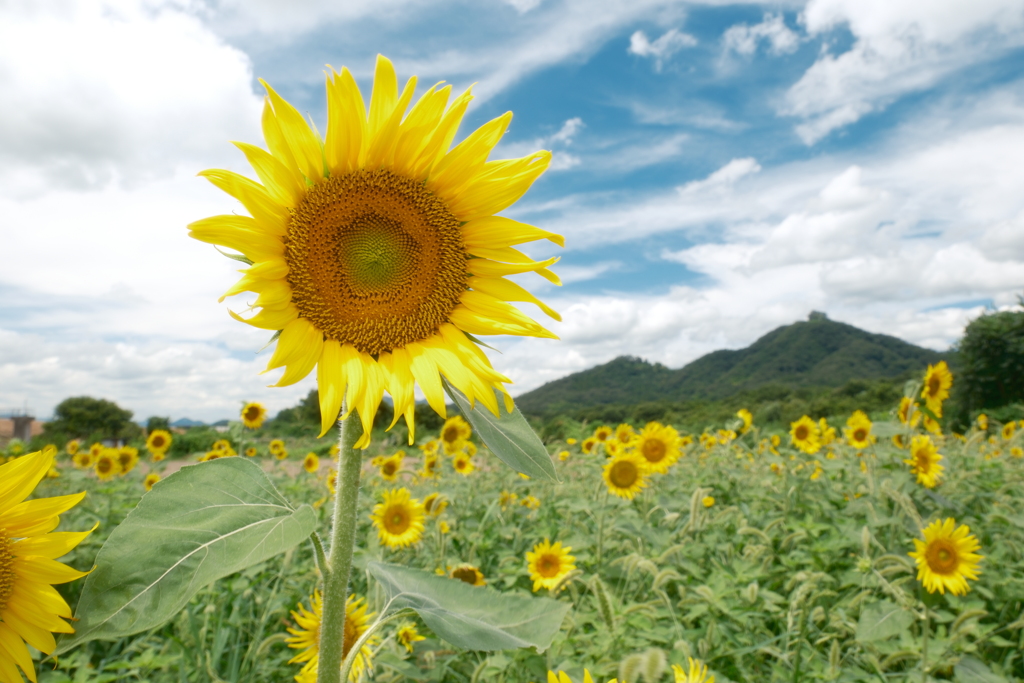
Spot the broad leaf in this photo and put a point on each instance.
(973, 670)
(882, 620)
(472, 617)
(199, 524)
(508, 435)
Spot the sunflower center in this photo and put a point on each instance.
(801, 433)
(104, 465)
(654, 450)
(388, 468)
(397, 521)
(158, 442)
(860, 434)
(375, 260)
(942, 557)
(923, 461)
(623, 474)
(6, 569)
(934, 385)
(466, 574)
(451, 435)
(548, 566)
(252, 412)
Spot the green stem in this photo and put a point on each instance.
(374, 628)
(924, 647)
(332, 628)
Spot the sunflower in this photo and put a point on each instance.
(431, 466)
(30, 609)
(443, 527)
(805, 435)
(454, 432)
(908, 413)
(563, 455)
(507, 499)
(390, 467)
(530, 503)
(83, 459)
(697, 672)
(658, 445)
(332, 481)
(71, 447)
(406, 635)
(858, 430)
(1009, 429)
(253, 415)
(603, 433)
(982, 421)
(707, 501)
(375, 250)
(276, 446)
(726, 436)
(151, 479)
(624, 433)
(828, 433)
(159, 441)
(924, 461)
(937, 381)
(946, 557)
(281, 454)
(747, 418)
(625, 475)
(588, 445)
(571, 441)
(108, 464)
(463, 464)
(467, 573)
(548, 564)
(250, 452)
(306, 637)
(562, 677)
(1017, 452)
(399, 519)
(434, 504)
(127, 458)
(311, 463)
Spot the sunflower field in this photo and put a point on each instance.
(833, 552)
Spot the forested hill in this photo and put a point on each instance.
(816, 353)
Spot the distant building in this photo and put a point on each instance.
(21, 427)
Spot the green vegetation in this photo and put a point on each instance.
(93, 419)
(991, 363)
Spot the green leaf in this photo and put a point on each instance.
(199, 524)
(508, 435)
(882, 620)
(971, 670)
(473, 617)
(886, 429)
(235, 257)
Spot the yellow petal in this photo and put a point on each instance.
(488, 268)
(384, 95)
(435, 150)
(13, 651)
(279, 181)
(46, 571)
(346, 123)
(272, 217)
(416, 130)
(382, 145)
(29, 517)
(427, 377)
(301, 142)
(498, 231)
(507, 290)
(50, 546)
(401, 386)
(19, 477)
(500, 311)
(239, 233)
(458, 167)
(488, 195)
(298, 348)
(269, 319)
(330, 381)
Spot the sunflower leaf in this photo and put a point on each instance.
(508, 435)
(882, 620)
(472, 617)
(199, 524)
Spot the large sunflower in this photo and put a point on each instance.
(924, 461)
(858, 430)
(625, 474)
(376, 250)
(658, 445)
(253, 415)
(549, 563)
(946, 557)
(467, 573)
(696, 672)
(307, 637)
(805, 435)
(399, 519)
(937, 381)
(159, 441)
(30, 609)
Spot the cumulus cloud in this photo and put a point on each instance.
(900, 46)
(671, 42)
(723, 177)
(743, 39)
(114, 90)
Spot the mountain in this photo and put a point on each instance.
(184, 422)
(815, 353)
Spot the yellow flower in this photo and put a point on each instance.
(399, 519)
(250, 452)
(1009, 429)
(281, 454)
(747, 418)
(530, 503)
(84, 459)
(108, 464)
(696, 673)
(463, 464)
(334, 451)
(276, 446)
(777, 468)
(151, 479)
(858, 430)
(361, 246)
(924, 461)
(982, 421)
(30, 609)
(828, 434)
(548, 564)
(332, 481)
(390, 467)
(563, 455)
(306, 637)
(707, 501)
(311, 463)
(726, 436)
(562, 677)
(571, 441)
(467, 573)
(937, 381)
(253, 415)
(406, 635)
(658, 445)
(932, 426)
(603, 433)
(127, 459)
(908, 413)
(454, 431)
(159, 441)
(624, 433)
(443, 526)
(1017, 452)
(946, 557)
(507, 498)
(431, 466)
(625, 474)
(805, 435)
(588, 445)
(434, 504)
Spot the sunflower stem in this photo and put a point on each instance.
(924, 644)
(332, 629)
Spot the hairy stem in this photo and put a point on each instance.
(332, 629)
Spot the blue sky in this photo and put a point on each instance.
(719, 170)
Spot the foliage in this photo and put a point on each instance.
(84, 417)
(154, 423)
(992, 362)
(814, 354)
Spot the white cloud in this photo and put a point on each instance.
(900, 46)
(723, 177)
(661, 49)
(114, 91)
(744, 39)
(558, 143)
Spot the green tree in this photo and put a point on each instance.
(155, 423)
(87, 417)
(992, 361)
